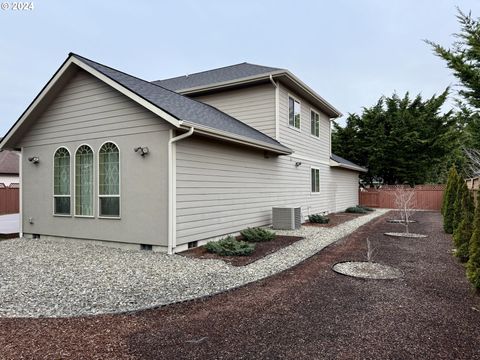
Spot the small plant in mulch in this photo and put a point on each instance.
(318, 219)
(229, 246)
(366, 208)
(355, 210)
(257, 235)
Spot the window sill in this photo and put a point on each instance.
(84, 216)
(62, 215)
(110, 217)
(315, 136)
(294, 128)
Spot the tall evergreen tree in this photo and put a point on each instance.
(450, 196)
(452, 176)
(473, 265)
(463, 232)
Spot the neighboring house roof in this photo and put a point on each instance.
(9, 162)
(220, 75)
(338, 161)
(241, 75)
(180, 110)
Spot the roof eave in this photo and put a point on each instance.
(334, 163)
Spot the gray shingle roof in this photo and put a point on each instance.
(215, 76)
(9, 162)
(182, 107)
(343, 161)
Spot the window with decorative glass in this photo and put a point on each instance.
(84, 181)
(61, 182)
(315, 179)
(315, 123)
(293, 112)
(109, 180)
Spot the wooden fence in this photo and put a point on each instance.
(427, 197)
(9, 199)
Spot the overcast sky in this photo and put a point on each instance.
(350, 51)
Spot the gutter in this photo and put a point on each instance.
(172, 191)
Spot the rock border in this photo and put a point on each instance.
(367, 270)
(405, 235)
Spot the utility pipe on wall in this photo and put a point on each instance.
(172, 192)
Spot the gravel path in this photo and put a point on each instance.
(40, 278)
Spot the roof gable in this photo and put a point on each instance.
(214, 76)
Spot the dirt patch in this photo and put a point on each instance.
(307, 312)
(262, 249)
(335, 219)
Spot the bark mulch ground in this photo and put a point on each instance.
(262, 249)
(335, 219)
(307, 312)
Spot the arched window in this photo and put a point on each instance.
(109, 180)
(61, 182)
(84, 181)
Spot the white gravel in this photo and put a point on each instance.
(406, 235)
(40, 278)
(367, 270)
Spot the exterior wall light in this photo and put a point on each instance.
(34, 159)
(143, 150)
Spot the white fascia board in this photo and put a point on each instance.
(333, 163)
(138, 99)
(234, 138)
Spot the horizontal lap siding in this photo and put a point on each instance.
(254, 106)
(223, 189)
(302, 142)
(345, 184)
(89, 109)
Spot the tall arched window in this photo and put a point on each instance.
(109, 180)
(61, 182)
(84, 181)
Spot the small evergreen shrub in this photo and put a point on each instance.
(230, 246)
(463, 232)
(365, 208)
(257, 234)
(473, 264)
(449, 197)
(318, 219)
(355, 210)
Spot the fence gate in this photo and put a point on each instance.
(427, 197)
(9, 199)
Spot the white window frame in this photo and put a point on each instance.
(119, 184)
(70, 183)
(313, 111)
(317, 170)
(288, 112)
(75, 183)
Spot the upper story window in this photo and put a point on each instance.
(315, 180)
(61, 182)
(109, 180)
(294, 112)
(84, 181)
(314, 123)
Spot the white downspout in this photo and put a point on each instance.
(277, 108)
(172, 192)
(20, 193)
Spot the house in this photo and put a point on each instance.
(9, 161)
(170, 164)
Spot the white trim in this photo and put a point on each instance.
(277, 107)
(69, 183)
(306, 158)
(312, 110)
(138, 99)
(334, 163)
(20, 191)
(289, 95)
(119, 216)
(75, 182)
(314, 193)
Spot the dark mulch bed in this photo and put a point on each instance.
(262, 249)
(308, 312)
(336, 219)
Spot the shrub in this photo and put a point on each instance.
(355, 210)
(318, 219)
(473, 265)
(465, 214)
(449, 200)
(230, 246)
(365, 208)
(257, 234)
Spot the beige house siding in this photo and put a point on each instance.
(89, 112)
(223, 188)
(301, 141)
(254, 106)
(345, 188)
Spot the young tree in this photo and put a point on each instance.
(405, 203)
(452, 175)
(473, 265)
(463, 232)
(457, 205)
(450, 196)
